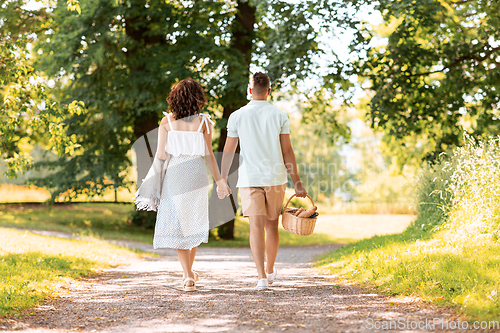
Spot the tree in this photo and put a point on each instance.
(276, 35)
(29, 111)
(120, 59)
(433, 70)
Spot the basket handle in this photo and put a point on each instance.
(286, 205)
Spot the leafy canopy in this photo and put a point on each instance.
(432, 70)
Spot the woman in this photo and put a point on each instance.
(177, 183)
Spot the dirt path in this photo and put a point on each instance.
(146, 296)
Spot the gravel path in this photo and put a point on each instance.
(146, 296)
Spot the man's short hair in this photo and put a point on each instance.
(260, 83)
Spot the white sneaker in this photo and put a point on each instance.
(262, 284)
(270, 277)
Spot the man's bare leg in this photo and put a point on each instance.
(257, 243)
(272, 243)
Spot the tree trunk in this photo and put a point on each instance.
(242, 30)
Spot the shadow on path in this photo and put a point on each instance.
(147, 296)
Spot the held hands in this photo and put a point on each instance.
(300, 190)
(223, 189)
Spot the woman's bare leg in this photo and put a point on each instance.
(192, 254)
(185, 259)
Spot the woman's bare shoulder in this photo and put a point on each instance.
(164, 120)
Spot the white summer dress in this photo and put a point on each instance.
(182, 218)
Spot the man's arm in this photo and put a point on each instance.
(228, 155)
(291, 165)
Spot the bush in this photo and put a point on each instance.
(143, 219)
(475, 184)
(432, 191)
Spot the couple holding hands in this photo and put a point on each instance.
(176, 185)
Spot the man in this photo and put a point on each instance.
(264, 136)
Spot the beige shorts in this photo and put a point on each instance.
(264, 200)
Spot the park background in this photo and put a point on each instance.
(400, 97)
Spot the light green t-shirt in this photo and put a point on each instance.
(258, 126)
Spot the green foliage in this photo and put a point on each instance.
(412, 263)
(473, 215)
(432, 194)
(120, 59)
(321, 167)
(143, 219)
(433, 69)
(29, 111)
(450, 253)
(299, 202)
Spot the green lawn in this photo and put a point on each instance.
(107, 221)
(425, 264)
(110, 221)
(33, 267)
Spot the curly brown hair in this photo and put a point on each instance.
(186, 99)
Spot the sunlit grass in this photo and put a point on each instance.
(22, 193)
(109, 221)
(451, 253)
(33, 267)
(242, 231)
(31, 193)
(465, 276)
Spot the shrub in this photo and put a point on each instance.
(143, 219)
(475, 184)
(432, 191)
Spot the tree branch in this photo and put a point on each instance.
(459, 61)
(457, 2)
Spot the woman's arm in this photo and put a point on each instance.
(212, 165)
(209, 153)
(162, 140)
(291, 164)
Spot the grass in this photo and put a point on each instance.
(368, 207)
(32, 193)
(242, 230)
(110, 221)
(33, 267)
(450, 255)
(22, 193)
(416, 262)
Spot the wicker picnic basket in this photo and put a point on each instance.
(298, 225)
